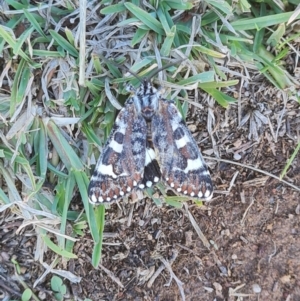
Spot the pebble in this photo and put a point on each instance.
(256, 288)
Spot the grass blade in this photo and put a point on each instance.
(291, 159)
(97, 250)
(65, 151)
(55, 248)
(64, 43)
(145, 18)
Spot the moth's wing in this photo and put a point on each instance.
(179, 157)
(120, 168)
(152, 173)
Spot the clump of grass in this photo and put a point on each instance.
(59, 96)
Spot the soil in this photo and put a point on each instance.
(251, 224)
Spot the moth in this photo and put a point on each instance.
(149, 142)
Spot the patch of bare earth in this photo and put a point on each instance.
(252, 224)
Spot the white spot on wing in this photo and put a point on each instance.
(192, 193)
(121, 193)
(208, 194)
(128, 189)
(181, 142)
(150, 156)
(116, 146)
(148, 183)
(93, 199)
(108, 199)
(134, 183)
(194, 165)
(107, 170)
(156, 179)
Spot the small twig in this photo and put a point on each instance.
(197, 228)
(283, 111)
(277, 206)
(246, 211)
(33, 295)
(233, 292)
(187, 249)
(275, 250)
(111, 275)
(233, 180)
(130, 215)
(161, 268)
(253, 168)
(9, 289)
(82, 44)
(173, 276)
(48, 269)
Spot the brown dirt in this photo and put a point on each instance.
(252, 224)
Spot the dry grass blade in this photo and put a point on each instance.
(197, 228)
(173, 276)
(161, 268)
(255, 169)
(111, 276)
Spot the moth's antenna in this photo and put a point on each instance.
(152, 74)
(135, 75)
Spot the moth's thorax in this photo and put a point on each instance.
(146, 99)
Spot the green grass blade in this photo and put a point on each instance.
(223, 84)
(69, 188)
(82, 182)
(46, 53)
(138, 36)
(32, 20)
(97, 250)
(3, 197)
(14, 194)
(145, 18)
(63, 148)
(168, 42)
(113, 9)
(4, 33)
(209, 52)
(21, 40)
(64, 43)
(198, 78)
(24, 164)
(180, 5)
(55, 248)
(261, 22)
(291, 159)
(223, 99)
(221, 5)
(174, 201)
(14, 91)
(163, 19)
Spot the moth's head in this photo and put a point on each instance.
(146, 99)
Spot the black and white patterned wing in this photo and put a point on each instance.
(152, 172)
(120, 168)
(179, 157)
